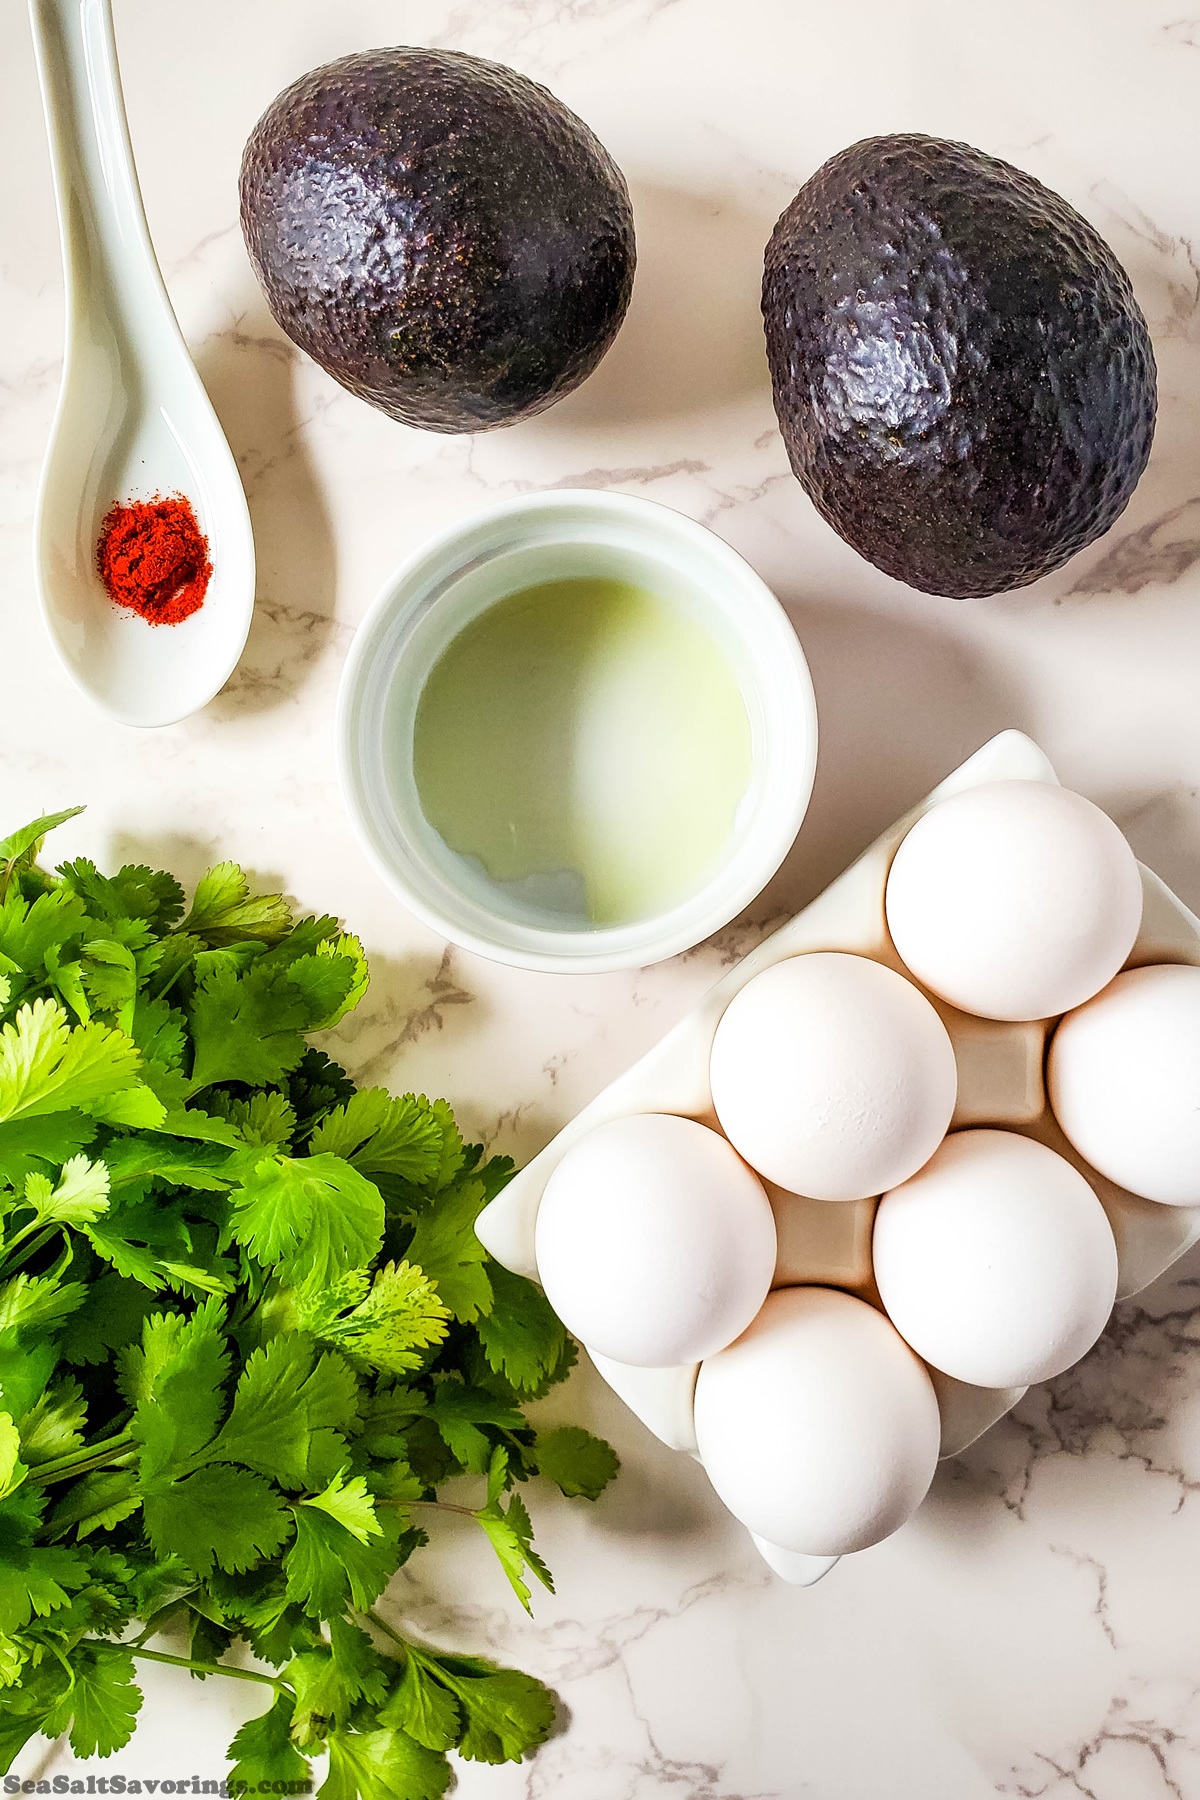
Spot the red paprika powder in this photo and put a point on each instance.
(153, 557)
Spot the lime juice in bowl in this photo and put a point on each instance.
(577, 732)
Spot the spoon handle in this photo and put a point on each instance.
(107, 253)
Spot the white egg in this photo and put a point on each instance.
(1014, 900)
(833, 1076)
(996, 1262)
(655, 1243)
(1124, 1081)
(819, 1427)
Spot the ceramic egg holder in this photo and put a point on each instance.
(828, 1243)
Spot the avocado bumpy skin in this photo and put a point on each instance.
(441, 234)
(962, 376)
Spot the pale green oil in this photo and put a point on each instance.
(585, 739)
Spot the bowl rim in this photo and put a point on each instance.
(767, 631)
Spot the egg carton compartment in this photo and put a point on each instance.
(828, 1243)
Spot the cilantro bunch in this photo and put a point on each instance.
(246, 1334)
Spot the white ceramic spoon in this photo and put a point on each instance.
(133, 418)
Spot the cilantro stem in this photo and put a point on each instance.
(387, 1630)
(199, 1668)
(81, 1462)
(441, 1506)
(11, 1264)
(420, 1653)
(162, 992)
(52, 1646)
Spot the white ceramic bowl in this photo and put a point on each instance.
(458, 576)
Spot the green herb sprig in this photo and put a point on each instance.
(247, 1333)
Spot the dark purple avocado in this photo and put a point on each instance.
(440, 233)
(962, 375)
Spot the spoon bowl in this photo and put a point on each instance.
(133, 419)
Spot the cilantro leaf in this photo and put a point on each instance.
(262, 1752)
(280, 1400)
(380, 1135)
(386, 1322)
(16, 1730)
(350, 1503)
(111, 1317)
(327, 1566)
(444, 1244)
(103, 1703)
(12, 1469)
(35, 1579)
(575, 1461)
(329, 1681)
(304, 939)
(459, 1411)
(80, 1196)
(25, 1144)
(34, 934)
(25, 1368)
(21, 847)
(455, 1156)
(389, 1412)
(234, 960)
(32, 1584)
(149, 894)
(280, 1639)
(217, 1515)
(523, 1339)
(54, 1423)
(332, 1393)
(223, 911)
(12, 1661)
(160, 1031)
(312, 1218)
(246, 1027)
(505, 1712)
(155, 1155)
(46, 1067)
(110, 978)
(422, 1707)
(510, 1531)
(37, 1302)
(137, 1105)
(64, 975)
(315, 1087)
(379, 1765)
(345, 947)
(266, 1120)
(177, 1381)
(176, 963)
(362, 1673)
(194, 1123)
(326, 982)
(134, 892)
(153, 1244)
(96, 1503)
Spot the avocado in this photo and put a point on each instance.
(962, 376)
(440, 233)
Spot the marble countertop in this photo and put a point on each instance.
(1033, 1631)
